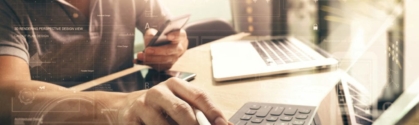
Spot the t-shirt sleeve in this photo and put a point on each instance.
(12, 41)
(150, 14)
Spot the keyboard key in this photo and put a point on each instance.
(271, 118)
(279, 51)
(304, 111)
(277, 111)
(264, 45)
(290, 111)
(278, 61)
(286, 118)
(263, 111)
(299, 52)
(270, 62)
(366, 113)
(250, 112)
(362, 121)
(342, 99)
(255, 107)
(257, 120)
(287, 60)
(262, 54)
(301, 116)
(298, 122)
(246, 117)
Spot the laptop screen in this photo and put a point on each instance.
(366, 37)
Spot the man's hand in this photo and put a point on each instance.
(174, 98)
(163, 57)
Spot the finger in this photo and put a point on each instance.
(140, 56)
(179, 110)
(161, 67)
(154, 117)
(229, 123)
(176, 36)
(129, 118)
(169, 49)
(154, 59)
(197, 98)
(148, 114)
(180, 39)
(148, 35)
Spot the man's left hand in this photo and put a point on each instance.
(163, 57)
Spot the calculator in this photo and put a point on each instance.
(256, 113)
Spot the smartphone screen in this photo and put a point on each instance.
(143, 79)
(170, 25)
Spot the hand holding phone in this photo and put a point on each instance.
(165, 46)
(170, 25)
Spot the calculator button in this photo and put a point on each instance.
(263, 111)
(246, 117)
(268, 123)
(298, 122)
(271, 118)
(301, 116)
(290, 111)
(283, 123)
(257, 120)
(242, 123)
(277, 111)
(286, 118)
(304, 111)
(255, 107)
(250, 112)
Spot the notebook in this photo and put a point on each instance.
(253, 58)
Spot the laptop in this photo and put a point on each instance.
(261, 57)
(359, 108)
(374, 88)
(278, 54)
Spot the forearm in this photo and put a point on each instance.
(32, 99)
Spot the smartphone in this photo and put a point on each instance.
(140, 80)
(170, 25)
(153, 77)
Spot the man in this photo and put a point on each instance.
(45, 44)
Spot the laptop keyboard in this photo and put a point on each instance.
(253, 113)
(279, 51)
(360, 105)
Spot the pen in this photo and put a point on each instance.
(200, 117)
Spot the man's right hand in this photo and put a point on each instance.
(174, 98)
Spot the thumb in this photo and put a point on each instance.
(140, 56)
(148, 35)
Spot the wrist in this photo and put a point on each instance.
(112, 100)
(116, 100)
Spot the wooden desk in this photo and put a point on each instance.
(312, 88)
(308, 88)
